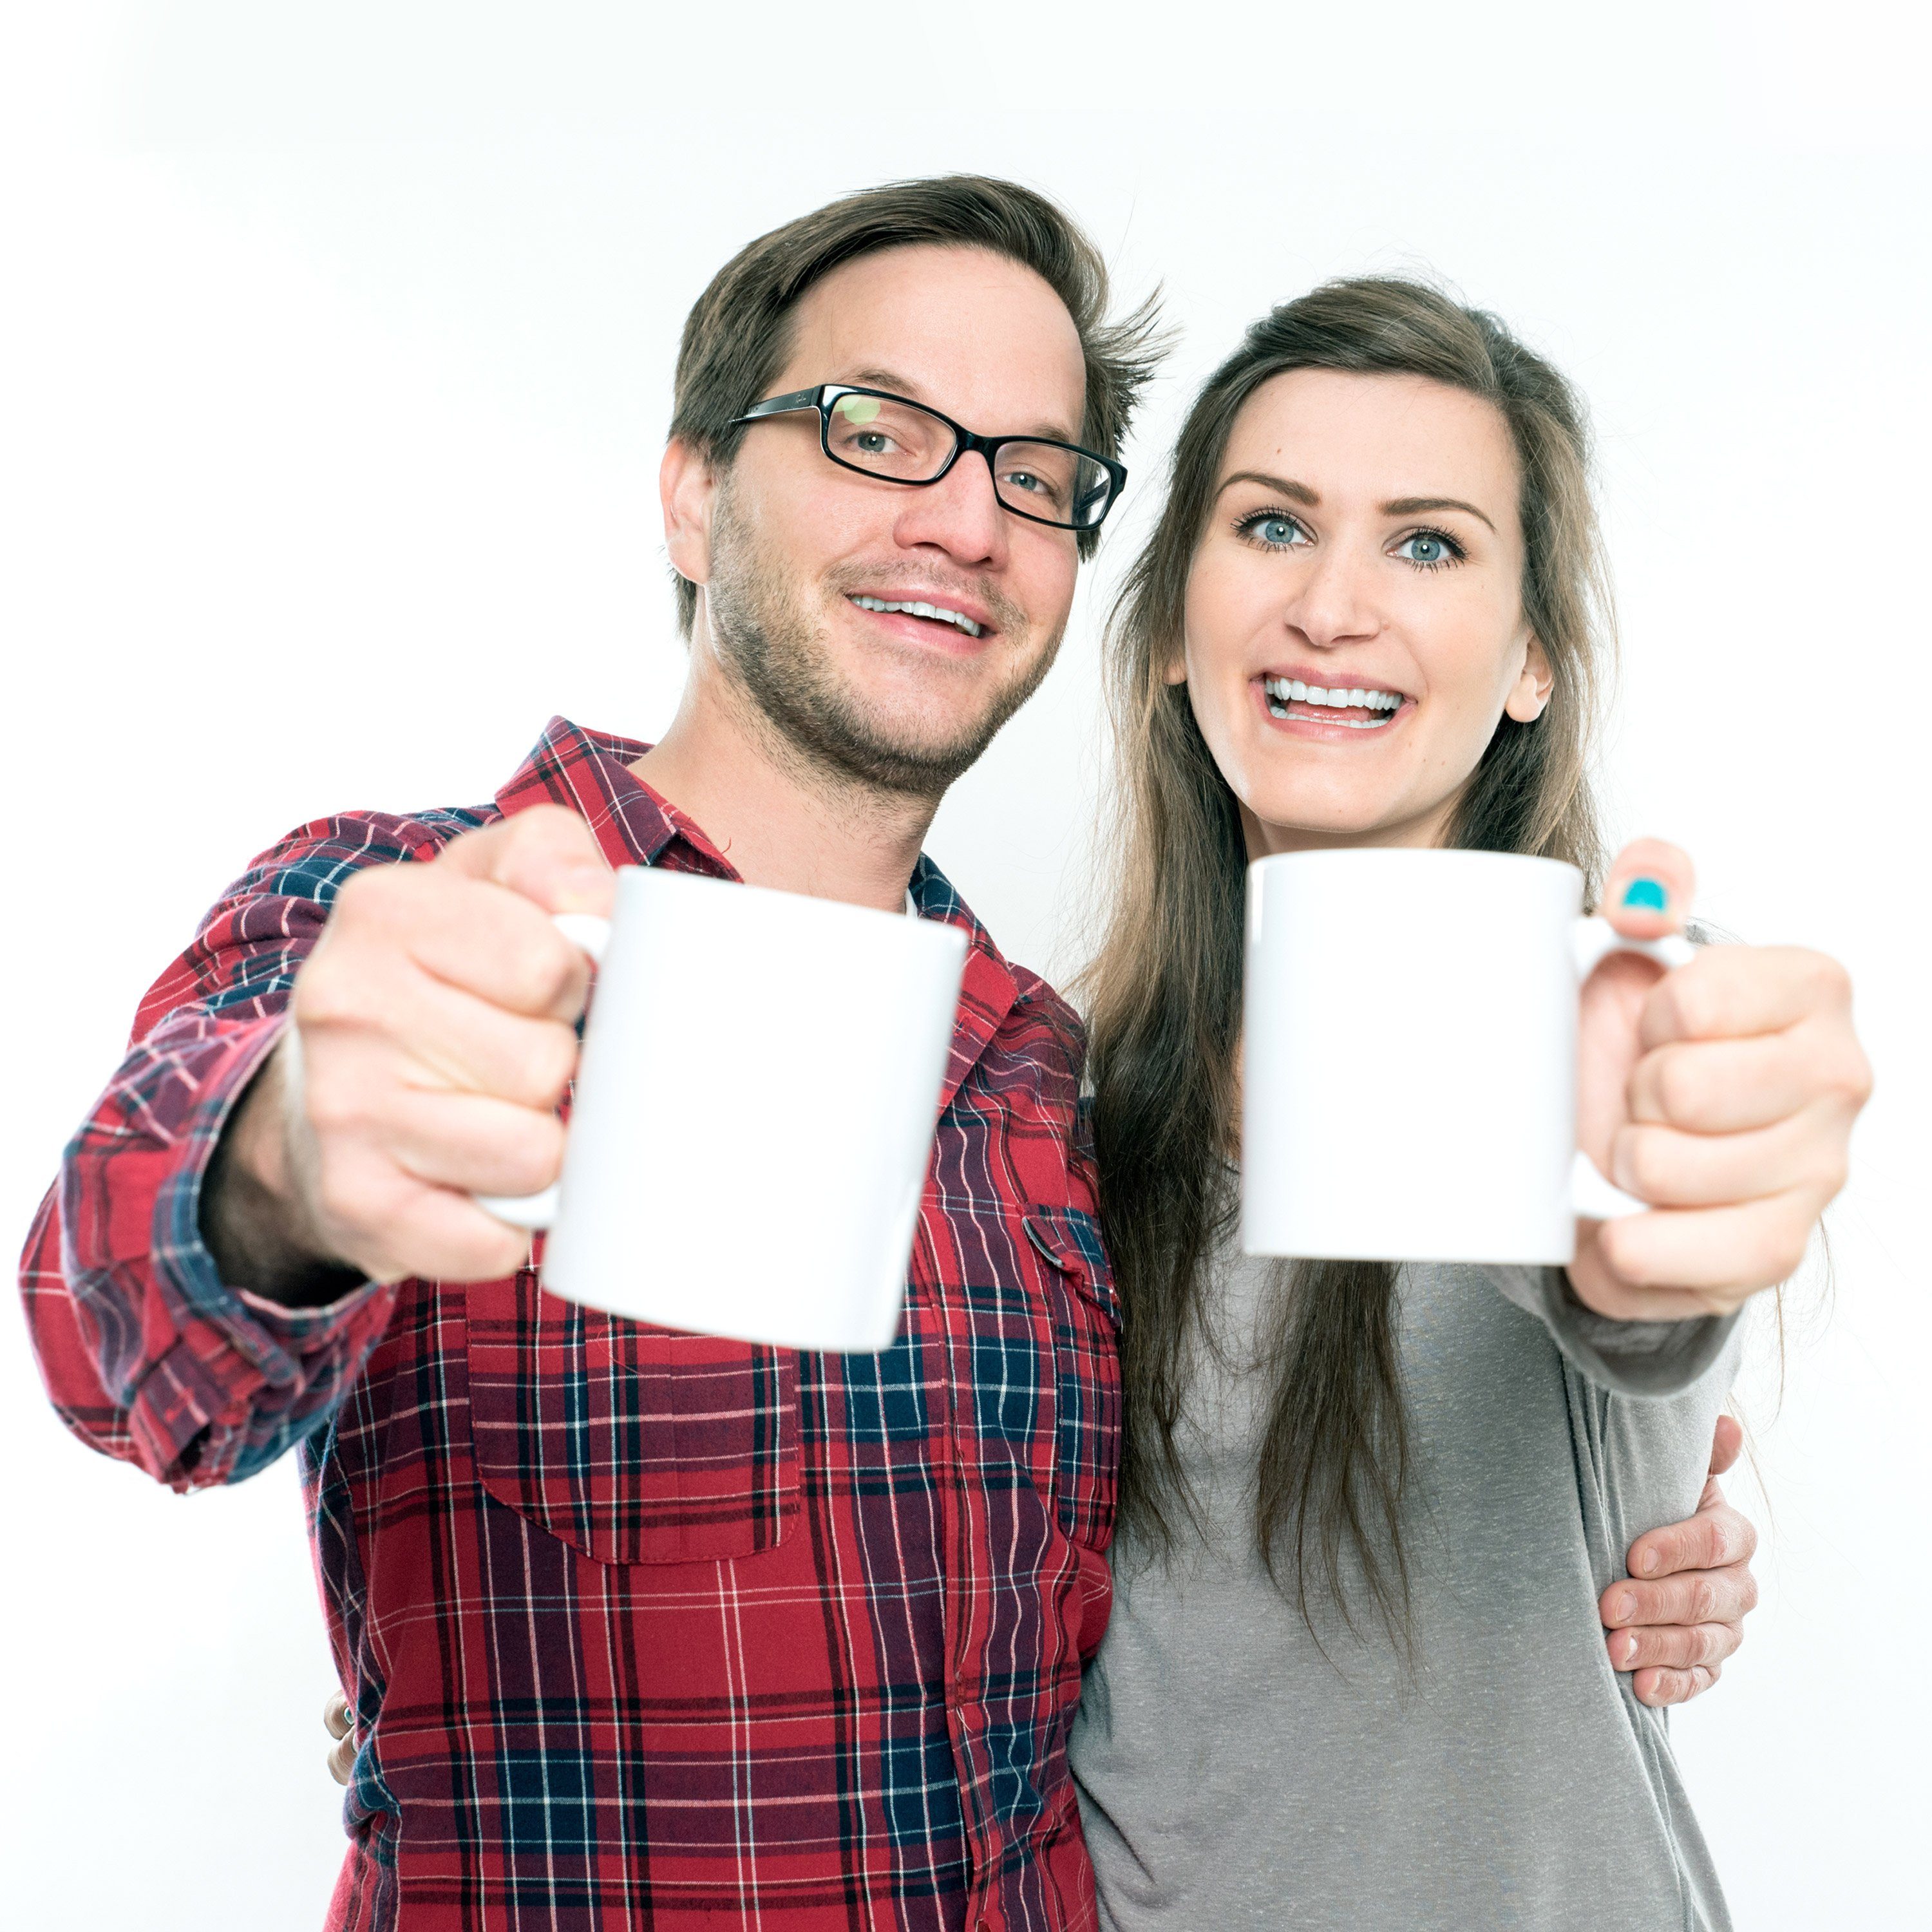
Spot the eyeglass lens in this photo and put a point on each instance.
(900, 440)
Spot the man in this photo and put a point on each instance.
(822, 1676)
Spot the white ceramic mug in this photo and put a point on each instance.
(1409, 1062)
(754, 1113)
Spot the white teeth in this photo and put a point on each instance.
(921, 610)
(1283, 692)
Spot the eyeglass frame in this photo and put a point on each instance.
(824, 395)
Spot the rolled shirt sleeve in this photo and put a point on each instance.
(147, 1354)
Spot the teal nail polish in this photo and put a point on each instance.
(1645, 894)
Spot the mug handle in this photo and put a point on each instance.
(591, 933)
(1592, 1196)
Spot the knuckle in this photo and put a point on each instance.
(1828, 980)
(543, 969)
(1679, 1086)
(1654, 1163)
(326, 994)
(334, 1104)
(532, 1157)
(1703, 1601)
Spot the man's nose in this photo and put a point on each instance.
(961, 514)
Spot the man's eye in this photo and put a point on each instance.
(1031, 484)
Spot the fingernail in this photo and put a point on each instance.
(1625, 1606)
(1645, 895)
(1649, 1561)
(1629, 1649)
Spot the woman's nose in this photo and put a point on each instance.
(1332, 603)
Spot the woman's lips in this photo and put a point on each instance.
(1309, 717)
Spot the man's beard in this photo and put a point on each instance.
(771, 643)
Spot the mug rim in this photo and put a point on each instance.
(1435, 854)
(899, 920)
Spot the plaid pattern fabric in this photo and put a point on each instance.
(640, 1627)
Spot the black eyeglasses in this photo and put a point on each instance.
(880, 434)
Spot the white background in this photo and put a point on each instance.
(334, 362)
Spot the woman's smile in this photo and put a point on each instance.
(1307, 707)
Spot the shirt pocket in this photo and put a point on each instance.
(633, 1443)
(1086, 1317)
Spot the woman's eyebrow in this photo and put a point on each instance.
(1283, 486)
(1411, 506)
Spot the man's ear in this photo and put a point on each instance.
(1530, 692)
(687, 487)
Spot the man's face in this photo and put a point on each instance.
(892, 700)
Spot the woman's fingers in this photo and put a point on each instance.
(1674, 1263)
(1649, 889)
(1730, 992)
(1669, 1169)
(1725, 1086)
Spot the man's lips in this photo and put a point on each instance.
(929, 617)
(943, 605)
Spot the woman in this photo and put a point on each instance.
(1354, 1675)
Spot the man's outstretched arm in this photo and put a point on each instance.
(207, 1276)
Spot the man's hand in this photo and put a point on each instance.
(1724, 1093)
(342, 1752)
(432, 1035)
(1681, 1613)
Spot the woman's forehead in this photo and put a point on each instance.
(1376, 436)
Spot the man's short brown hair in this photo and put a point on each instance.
(738, 332)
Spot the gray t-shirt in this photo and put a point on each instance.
(1231, 1775)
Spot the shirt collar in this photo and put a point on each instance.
(589, 772)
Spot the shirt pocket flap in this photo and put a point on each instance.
(1069, 1238)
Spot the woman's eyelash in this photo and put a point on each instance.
(1457, 554)
(1247, 525)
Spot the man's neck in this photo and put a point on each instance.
(779, 821)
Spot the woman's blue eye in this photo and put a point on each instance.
(1430, 548)
(1277, 532)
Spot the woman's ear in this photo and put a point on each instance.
(686, 487)
(1174, 671)
(1530, 693)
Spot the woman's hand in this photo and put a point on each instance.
(1724, 1093)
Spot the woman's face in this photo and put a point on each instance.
(1355, 622)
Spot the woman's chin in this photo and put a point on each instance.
(1297, 821)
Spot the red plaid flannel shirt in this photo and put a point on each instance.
(639, 1627)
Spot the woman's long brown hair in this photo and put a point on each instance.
(1164, 991)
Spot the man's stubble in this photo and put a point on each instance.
(770, 645)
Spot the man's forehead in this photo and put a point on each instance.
(974, 334)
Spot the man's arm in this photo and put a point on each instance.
(350, 1046)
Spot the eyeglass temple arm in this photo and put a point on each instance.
(779, 406)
